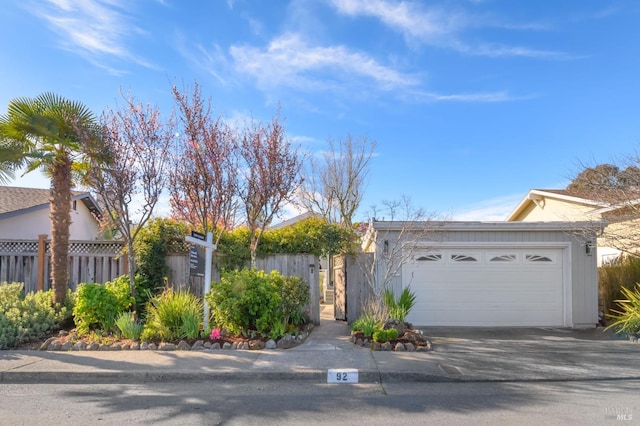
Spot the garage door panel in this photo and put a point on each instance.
(508, 317)
(500, 298)
(526, 289)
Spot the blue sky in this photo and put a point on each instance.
(471, 102)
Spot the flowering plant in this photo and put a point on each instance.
(215, 334)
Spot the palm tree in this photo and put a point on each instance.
(55, 135)
(10, 155)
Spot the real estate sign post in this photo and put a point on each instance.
(198, 240)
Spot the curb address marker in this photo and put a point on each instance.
(342, 375)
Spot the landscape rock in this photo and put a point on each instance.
(394, 323)
(152, 347)
(226, 345)
(166, 346)
(386, 346)
(93, 346)
(66, 346)
(80, 346)
(46, 343)
(215, 346)
(410, 347)
(207, 345)
(400, 347)
(55, 345)
(135, 346)
(183, 346)
(198, 346)
(287, 342)
(255, 345)
(125, 347)
(271, 344)
(234, 346)
(144, 346)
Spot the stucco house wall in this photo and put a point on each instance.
(557, 206)
(29, 225)
(24, 214)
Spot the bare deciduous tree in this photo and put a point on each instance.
(334, 185)
(616, 188)
(271, 174)
(138, 142)
(393, 241)
(204, 174)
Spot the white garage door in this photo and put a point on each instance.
(486, 287)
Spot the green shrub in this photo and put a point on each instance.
(97, 306)
(249, 301)
(128, 326)
(399, 308)
(294, 296)
(119, 287)
(367, 324)
(312, 235)
(246, 300)
(624, 272)
(28, 317)
(626, 319)
(173, 315)
(385, 335)
(155, 240)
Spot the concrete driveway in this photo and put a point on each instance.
(468, 353)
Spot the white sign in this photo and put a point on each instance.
(342, 375)
(209, 248)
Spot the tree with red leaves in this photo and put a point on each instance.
(138, 142)
(271, 174)
(204, 175)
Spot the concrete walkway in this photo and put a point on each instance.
(459, 355)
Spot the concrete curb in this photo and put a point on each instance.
(314, 376)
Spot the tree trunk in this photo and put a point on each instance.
(253, 247)
(60, 203)
(132, 273)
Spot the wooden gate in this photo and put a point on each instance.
(340, 288)
(352, 287)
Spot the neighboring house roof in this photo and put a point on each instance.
(293, 220)
(17, 200)
(535, 196)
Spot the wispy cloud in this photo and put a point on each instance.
(98, 30)
(408, 18)
(495, 209)
(290, 61)
(209, 59)
(443, 28)
(467, 97)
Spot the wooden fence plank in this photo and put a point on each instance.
(19, 262)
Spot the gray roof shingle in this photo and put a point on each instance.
(14, 198)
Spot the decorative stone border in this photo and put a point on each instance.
(59, 344)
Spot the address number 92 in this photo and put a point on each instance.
(343, 375)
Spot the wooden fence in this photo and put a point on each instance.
(100, 261)
(302, 265)
(28, 261)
